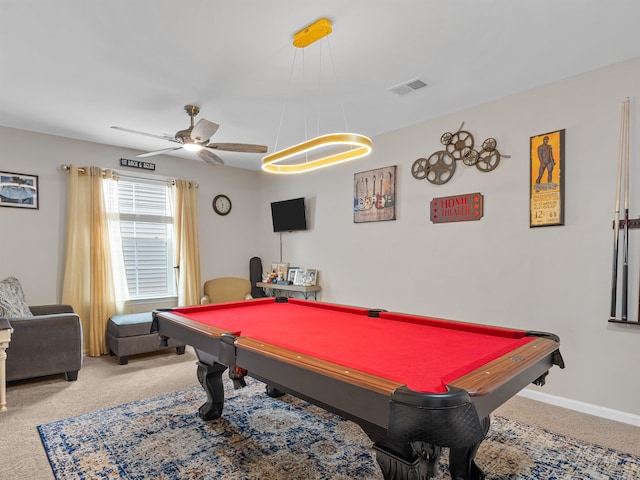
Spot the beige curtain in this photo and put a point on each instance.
(88, 276)
(187, 251)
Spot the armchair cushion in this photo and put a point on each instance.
(226, 289)
(12, 302)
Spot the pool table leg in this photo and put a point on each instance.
(418, 461)
(210, 377)
(461, 460)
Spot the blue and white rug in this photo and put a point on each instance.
(285, 439)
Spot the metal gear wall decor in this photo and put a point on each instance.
(440, 166)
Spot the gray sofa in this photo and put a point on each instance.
(48, 343)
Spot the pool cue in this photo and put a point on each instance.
(616, 229)
(625, 264)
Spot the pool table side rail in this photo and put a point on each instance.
(459, 325)
(333, 370)
(196, 334)
(496, 373)
(191, 325)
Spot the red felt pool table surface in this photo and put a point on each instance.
(423, 353)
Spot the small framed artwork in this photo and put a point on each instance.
(299, 277)
(19, 190)
(546, 183)
(374, 194)
(310, 277)
(291, 274)
(281, 270)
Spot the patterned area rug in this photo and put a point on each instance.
(285, 439)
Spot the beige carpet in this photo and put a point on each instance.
(103, 383)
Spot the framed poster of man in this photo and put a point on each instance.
(546, 184)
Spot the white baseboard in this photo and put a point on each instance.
(582, 407)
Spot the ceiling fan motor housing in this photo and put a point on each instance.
(183, 135)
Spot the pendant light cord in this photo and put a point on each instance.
(284, 107)
(335, 75)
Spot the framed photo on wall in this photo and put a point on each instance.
(374, 193)
(546, 183)
(19, 190)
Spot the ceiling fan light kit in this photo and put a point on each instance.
(192, 147)
(296, 159)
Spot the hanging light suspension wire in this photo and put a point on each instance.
(296, 159)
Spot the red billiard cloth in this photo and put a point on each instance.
(420, 352)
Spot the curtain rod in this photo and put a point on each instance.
(66, 168)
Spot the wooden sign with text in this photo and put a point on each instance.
(457, 208)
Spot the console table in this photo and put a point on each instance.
(276, 290)
(5, 338)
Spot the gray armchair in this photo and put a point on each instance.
(48, 343)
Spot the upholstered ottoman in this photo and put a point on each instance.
(130, 334)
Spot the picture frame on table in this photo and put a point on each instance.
(281, 270)
(291, 274)
(311, 277)
(299, 277)
(19, 190)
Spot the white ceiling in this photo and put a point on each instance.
(74, 68)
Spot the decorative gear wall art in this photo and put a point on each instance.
(441, 165)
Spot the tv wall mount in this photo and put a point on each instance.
(440, 166)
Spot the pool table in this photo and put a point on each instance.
(414, 384)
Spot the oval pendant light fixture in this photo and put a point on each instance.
(324, 150)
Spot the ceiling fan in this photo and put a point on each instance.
(196, 138)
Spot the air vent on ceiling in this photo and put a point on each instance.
(407, 87)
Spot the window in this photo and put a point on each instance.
(146, 228)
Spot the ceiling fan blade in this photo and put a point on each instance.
(203, 130)
(210, 157)
(158, 152)
(238, 147)
(162, 137)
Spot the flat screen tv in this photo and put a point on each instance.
(289, 215)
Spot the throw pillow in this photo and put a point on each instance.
(12, 302)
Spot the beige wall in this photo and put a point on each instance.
(496, 270)
(32, 241)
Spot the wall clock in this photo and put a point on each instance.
(221, 204)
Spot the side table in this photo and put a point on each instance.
(5, 338)
(274, 289)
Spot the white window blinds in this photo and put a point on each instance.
(146, 227)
